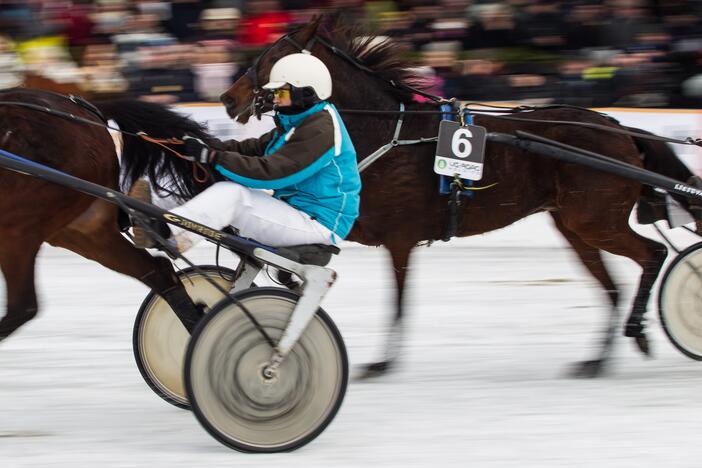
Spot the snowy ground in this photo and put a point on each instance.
(493, 326)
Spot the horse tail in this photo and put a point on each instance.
(659, 157)
(165, 171)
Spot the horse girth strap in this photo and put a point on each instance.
(370, 159)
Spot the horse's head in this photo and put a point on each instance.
(240, 99)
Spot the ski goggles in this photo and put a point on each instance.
(282, 93)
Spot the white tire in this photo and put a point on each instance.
(231, 397)
(160, 340)
(680, 302)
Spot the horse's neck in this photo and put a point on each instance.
(371, 131)
(369, 126)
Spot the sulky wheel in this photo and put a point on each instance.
(160, 340)
(680, 302)
(231, 397)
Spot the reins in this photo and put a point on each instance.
(163, 142)
(465, 110)
(200, 172)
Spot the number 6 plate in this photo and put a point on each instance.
(460, 150)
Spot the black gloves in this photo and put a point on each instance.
(199, 151)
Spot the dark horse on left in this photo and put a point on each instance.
(34, 211)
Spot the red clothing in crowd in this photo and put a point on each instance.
(264, 28)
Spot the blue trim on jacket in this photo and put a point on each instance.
(328, 190)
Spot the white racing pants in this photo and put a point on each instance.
(255, 213)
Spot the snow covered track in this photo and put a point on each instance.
(491, 334)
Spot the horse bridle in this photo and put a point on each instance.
(261, 99)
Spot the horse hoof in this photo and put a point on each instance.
(376, 369)
(634, 330)
(588, 369)
(643, 345)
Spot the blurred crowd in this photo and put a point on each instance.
(633, 53)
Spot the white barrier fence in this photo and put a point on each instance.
(674, 123)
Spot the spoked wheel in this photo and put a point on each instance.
(160, 339)
(227, 388)
(680, 302)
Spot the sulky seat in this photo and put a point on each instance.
(309, 254)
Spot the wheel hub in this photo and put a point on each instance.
(266, 392)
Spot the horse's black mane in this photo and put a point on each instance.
(163, 170)
(379, 53)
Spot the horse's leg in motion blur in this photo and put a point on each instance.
(95, 236)
(400, 254)
(591, 258)
(17, 257)
(613, 234)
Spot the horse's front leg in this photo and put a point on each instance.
(651, 266)
(95, 235)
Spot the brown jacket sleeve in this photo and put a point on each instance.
(306, 148)
(250, 146)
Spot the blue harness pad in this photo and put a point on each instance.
(445, 181)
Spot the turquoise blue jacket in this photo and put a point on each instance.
(308, 160)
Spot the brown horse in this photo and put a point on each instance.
(35, 81)
(34, 211)
(400, 203)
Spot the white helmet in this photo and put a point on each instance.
(301, 70)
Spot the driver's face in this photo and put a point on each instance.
(281, 97)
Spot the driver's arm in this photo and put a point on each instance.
(249, 147)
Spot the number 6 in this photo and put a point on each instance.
(460, 144)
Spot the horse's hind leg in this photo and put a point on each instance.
(650, 255)
(591, 258)
(95, 236)
(619, 239)
(17, 258)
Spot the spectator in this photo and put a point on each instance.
(587, 52)
(263, 23)
(11, 68)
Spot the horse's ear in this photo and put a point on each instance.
(311, 29)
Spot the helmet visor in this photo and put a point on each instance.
(274, 85)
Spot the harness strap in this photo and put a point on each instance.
(370, 159)
(454, 187)
(87, 105)
(306, 49)
(687, 141)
